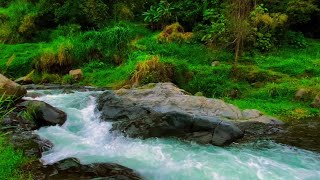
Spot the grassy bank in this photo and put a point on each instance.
(112, 57)
(11, 161)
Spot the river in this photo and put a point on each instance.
(86, 137)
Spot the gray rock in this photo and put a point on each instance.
(251, 113)
(44, 114)
(163, 110)
(71, 168)
(10, 88)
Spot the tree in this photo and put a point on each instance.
(239, 27)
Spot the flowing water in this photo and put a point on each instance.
(85, 137)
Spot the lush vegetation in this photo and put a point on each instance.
(10, 159)
(255, 54)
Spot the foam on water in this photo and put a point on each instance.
(85, 137)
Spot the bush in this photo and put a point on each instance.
(67, 79)
(174, 33)
(18, 22)
(296, 39)
(50, 78)
(110, 44)
(56, 59)
(152, 71)
(121, 11)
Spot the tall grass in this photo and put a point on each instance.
(6, 105)
(10, 159)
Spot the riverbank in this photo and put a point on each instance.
(268, 82)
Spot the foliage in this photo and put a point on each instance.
(266, 27)
(151, 71)
(6, 106)
(17, 21)
(20, 57)
(296, 39)
(10, 161)
(174, 33)
(216, 32)
(160, 14)
(121, 11)
(110, 44)
(301, 11)
(56, 59)
(67, 79)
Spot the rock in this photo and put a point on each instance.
(251, 113)
(10, 88)
(163, 110)
(76, 74)
(316, 102)
(215, 63)
(72, 169)
(34, 94)
(44, 114)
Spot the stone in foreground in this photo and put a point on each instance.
(72, 169)
(163, 110)
(10, 88)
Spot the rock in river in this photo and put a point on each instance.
(44, 114)
(163, 110)
(72, 169)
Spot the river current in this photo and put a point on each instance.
(86, 137)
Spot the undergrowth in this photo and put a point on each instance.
(128, 54)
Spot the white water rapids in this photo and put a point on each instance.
(86, 137)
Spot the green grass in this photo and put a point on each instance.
(267, 81)
(11, 161)
(21, 57)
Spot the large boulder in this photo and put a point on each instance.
(10, 88)
(161, 110)
(43, 114)
(71, 168)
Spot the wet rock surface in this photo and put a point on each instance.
(43, 114)
(162, 110)
(71, 168)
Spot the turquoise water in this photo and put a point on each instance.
(85, 137)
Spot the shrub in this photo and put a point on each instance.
(152, 71)
(67, 79)
(56, 59)
(267, 27)
(296, 39)
(122, 12)
(159, 15)
(174, 33)
(65, 31)
(17, 21)
(110, 44)
(50, 78)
